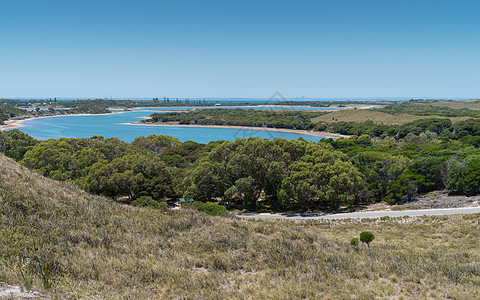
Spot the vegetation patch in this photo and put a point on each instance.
(82, 246)
(289, 119)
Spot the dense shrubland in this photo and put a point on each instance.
(425, 109)
(392, 163)
(8, 112)
(283, 174)
(240, 117)
(381, 163)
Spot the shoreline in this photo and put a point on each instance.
(9, 124)
(294, 131)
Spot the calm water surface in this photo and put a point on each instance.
(111, 126)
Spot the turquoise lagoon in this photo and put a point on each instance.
(113, 125)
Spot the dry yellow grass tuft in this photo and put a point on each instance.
(361, 115)
(54, 236)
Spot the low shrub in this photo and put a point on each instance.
(367, 237)
(210, 208)
(146, 201)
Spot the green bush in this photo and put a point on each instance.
(367, 237)
(209, 208)
(354, 242)
(146, 201)
(384, 218)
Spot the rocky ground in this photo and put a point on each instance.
(437, 199)
(18, 293)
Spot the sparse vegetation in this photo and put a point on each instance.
(354, 241)
(100, 249)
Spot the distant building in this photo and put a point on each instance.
(181, 201)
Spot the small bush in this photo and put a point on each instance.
(384, 218)
(146, 201)
(367, 237)
(354, 242)
(210, 208)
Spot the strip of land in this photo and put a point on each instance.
(18, 122)
(300, 132)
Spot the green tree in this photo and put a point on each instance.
(153, 144)
(455, 169)
(367, 237)
(469, 181)
(379, 169)
(405, 188)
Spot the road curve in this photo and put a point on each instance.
(366, 214)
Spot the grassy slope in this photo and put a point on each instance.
(470, 104)
(361, 115)
(100, 249)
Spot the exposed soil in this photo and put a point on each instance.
(17, 293)
(436, 199)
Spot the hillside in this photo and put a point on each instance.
(54, 236)
(361, 115)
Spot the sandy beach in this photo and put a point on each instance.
(11, 124)
(300, 132)
(18, 123)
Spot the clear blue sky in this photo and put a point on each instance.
(228, 48)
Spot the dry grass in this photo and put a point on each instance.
(104, 250)
(361, 115)
(470, 104)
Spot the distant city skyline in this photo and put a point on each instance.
(247, 98)
(239, 49)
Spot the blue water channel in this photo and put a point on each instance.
(114, 125)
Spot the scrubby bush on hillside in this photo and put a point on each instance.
(367, 237)
(146, 201)
(210, 208)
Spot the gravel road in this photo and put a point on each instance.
(367, 214)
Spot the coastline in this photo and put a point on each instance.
(294, 131)
(9, 124)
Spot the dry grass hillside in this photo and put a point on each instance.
(361, 115)
(54, 236)
(473, 104)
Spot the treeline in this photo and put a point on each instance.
(397, 170)
(260, 174)
(9, 109)
(149, 166)
(171, 102)
(240, 117)
(15, 143)
(467, 131)
(278, 174)
(413, 108)
(7, 112)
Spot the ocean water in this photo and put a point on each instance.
(112, 125)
